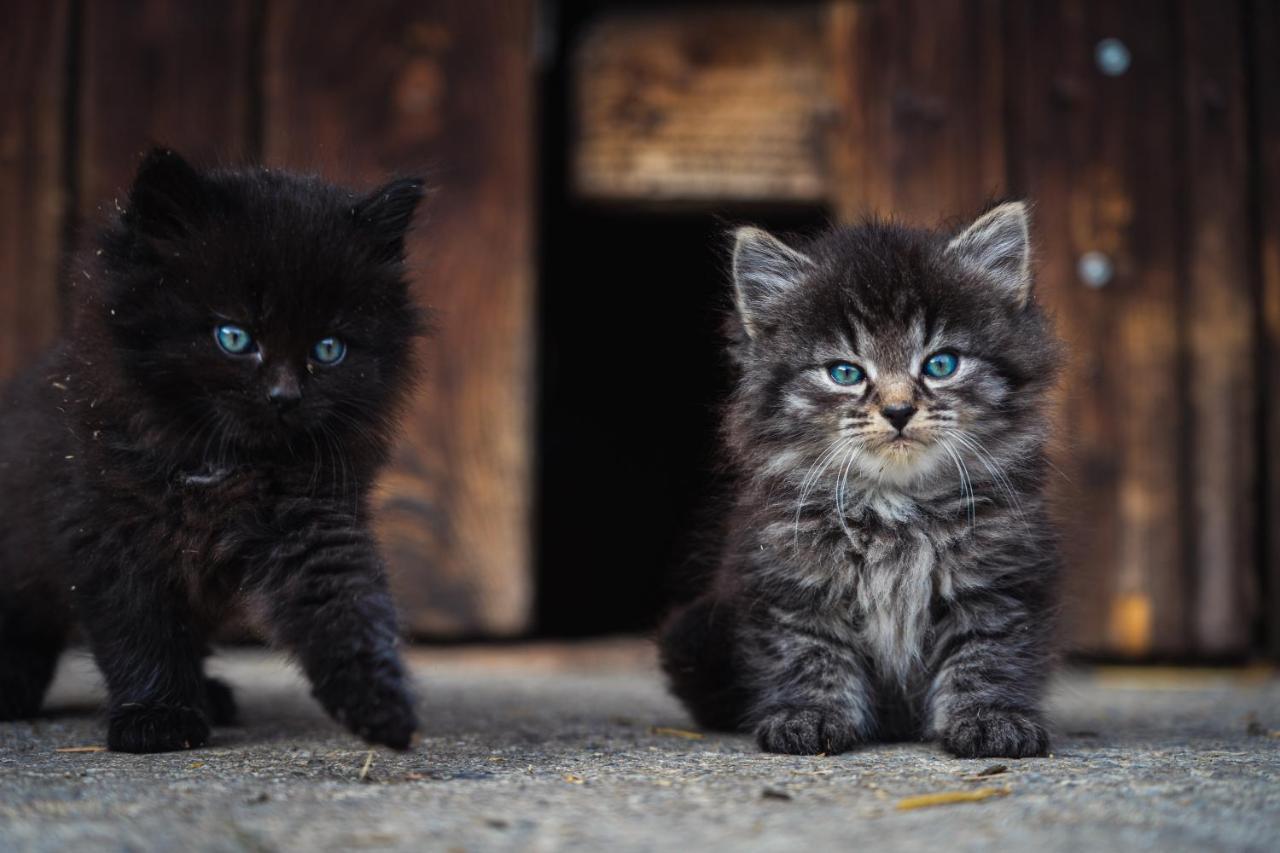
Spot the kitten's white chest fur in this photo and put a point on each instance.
(894, 589)
(897, 571)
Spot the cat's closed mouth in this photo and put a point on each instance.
(902, 442)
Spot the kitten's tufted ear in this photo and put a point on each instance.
(999, 245)
(166, 196)
(385, 215)
(764, 268)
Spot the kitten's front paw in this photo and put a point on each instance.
(391, 723)
(807, 731)
(221, 701)
(989, 733)
(156, 728)
(381, 714)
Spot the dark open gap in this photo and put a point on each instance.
(631, 379)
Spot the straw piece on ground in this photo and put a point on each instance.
(946, 798)
(81, 749)
(670, 732)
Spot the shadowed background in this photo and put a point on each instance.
(587, 158)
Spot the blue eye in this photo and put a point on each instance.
(329, 351)
(940, 365)
(844, 373)
(233, 339)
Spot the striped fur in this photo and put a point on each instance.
(877, 585)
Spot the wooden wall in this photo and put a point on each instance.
(1154, 156)
(1164, 173)
(33, 177)
(357, 94)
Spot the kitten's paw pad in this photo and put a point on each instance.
(221, 701)
(996, 734)
(156, 728)
(806, 731)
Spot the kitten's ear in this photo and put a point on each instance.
(385, 215)
(764, 268)
(166, 195)
(999, 245)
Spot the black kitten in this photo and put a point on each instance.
(205, 437)
(889, 568)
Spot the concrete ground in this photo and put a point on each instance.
(578, 747)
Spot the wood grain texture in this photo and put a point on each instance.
(160, 72)
(445, 88)
(920, 88)
(1264, 33)
(1099, 155)
(722, 104)
(33, 56)
(1221, 342)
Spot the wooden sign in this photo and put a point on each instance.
(726, 104)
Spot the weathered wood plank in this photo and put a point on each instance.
(702, 104)
(1264, 30)
(33, 56)
(1097, 153)
(920, 88)
(1221, 343)
(161, 72)
(447, 88)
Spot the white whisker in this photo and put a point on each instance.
(810, 481)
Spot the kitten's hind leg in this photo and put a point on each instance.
(696, 646)
(220, 699)
(31, 640)
(221, 702)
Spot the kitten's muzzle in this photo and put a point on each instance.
(898, 415)
(284, 393)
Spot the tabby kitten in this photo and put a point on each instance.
(204, 438)
(889, 567)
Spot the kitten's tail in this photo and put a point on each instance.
(697, 650)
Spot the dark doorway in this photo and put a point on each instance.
(631, 381)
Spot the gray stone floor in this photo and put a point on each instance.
(563, 747)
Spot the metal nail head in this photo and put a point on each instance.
(1112, 57)
(1095, 269)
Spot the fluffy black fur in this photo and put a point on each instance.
(151, 482)
(889, 567)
